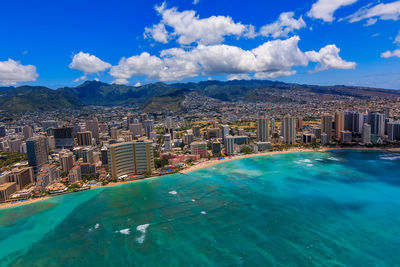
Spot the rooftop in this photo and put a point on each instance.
(6, 185)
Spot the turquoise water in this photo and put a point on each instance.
(338, 208)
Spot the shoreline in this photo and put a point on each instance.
(214, 162)
(206, 164)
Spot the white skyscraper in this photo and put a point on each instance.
(289, 129)
(366, 133)
(229, 145)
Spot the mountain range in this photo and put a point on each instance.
(156, 96)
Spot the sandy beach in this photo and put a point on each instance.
(210, 163)
(19, 203)
(202, 165)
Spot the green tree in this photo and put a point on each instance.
(160, 162)
(246, 150)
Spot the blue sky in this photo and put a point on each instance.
(61, 43)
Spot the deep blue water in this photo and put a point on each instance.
(337, 208)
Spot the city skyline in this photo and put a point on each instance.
(337, 42)
(199, 133)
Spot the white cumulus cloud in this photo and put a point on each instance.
(389, 11)
(243, 76)
(270, 60)
(274, 74)
(284, 25)
(324, 9)
(178, 63)
(157, 32)
(388, 54)
(141, 65)
(189, 28)
(394, 53)
(328, 58)
(13, 72)
(88, 63)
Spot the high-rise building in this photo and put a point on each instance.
(37, 152)
(130, 119)
(42, 181)
(63, 137)
(213, 133)
(316, 132)
(289, 130)
(88, 170)
(224, 132)
(299, 124)
(27, 132)
(273, 126)
(241, 131)
(232, 142)
(15, 145)
(169, 126)
(326, 126)
(262, 129)
(87, 155)
(135, 129)
(67, 161)
(130, 158)
(167, 142)
(229, 145)
(377, 122)
(387, 121)
(74, 174)
(54, 173)
(114, 133)
(52, 142)
(352, 121)
(49, 124)
(144, 117)
(324, 139)
(366, 133)
(93, 126)
(84, 138)
(216, 148)
(2, 131)
(148, 127)
(188, 138)
(339, 124)
(345, 137)
(196, 131)
(394, 131)
(104, 158)
(199, 148)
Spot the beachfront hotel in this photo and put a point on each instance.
(130, 158)
(262, 129)
(289, 129)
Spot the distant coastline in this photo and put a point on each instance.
(209, 163)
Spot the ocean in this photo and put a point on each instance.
(335, 208)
